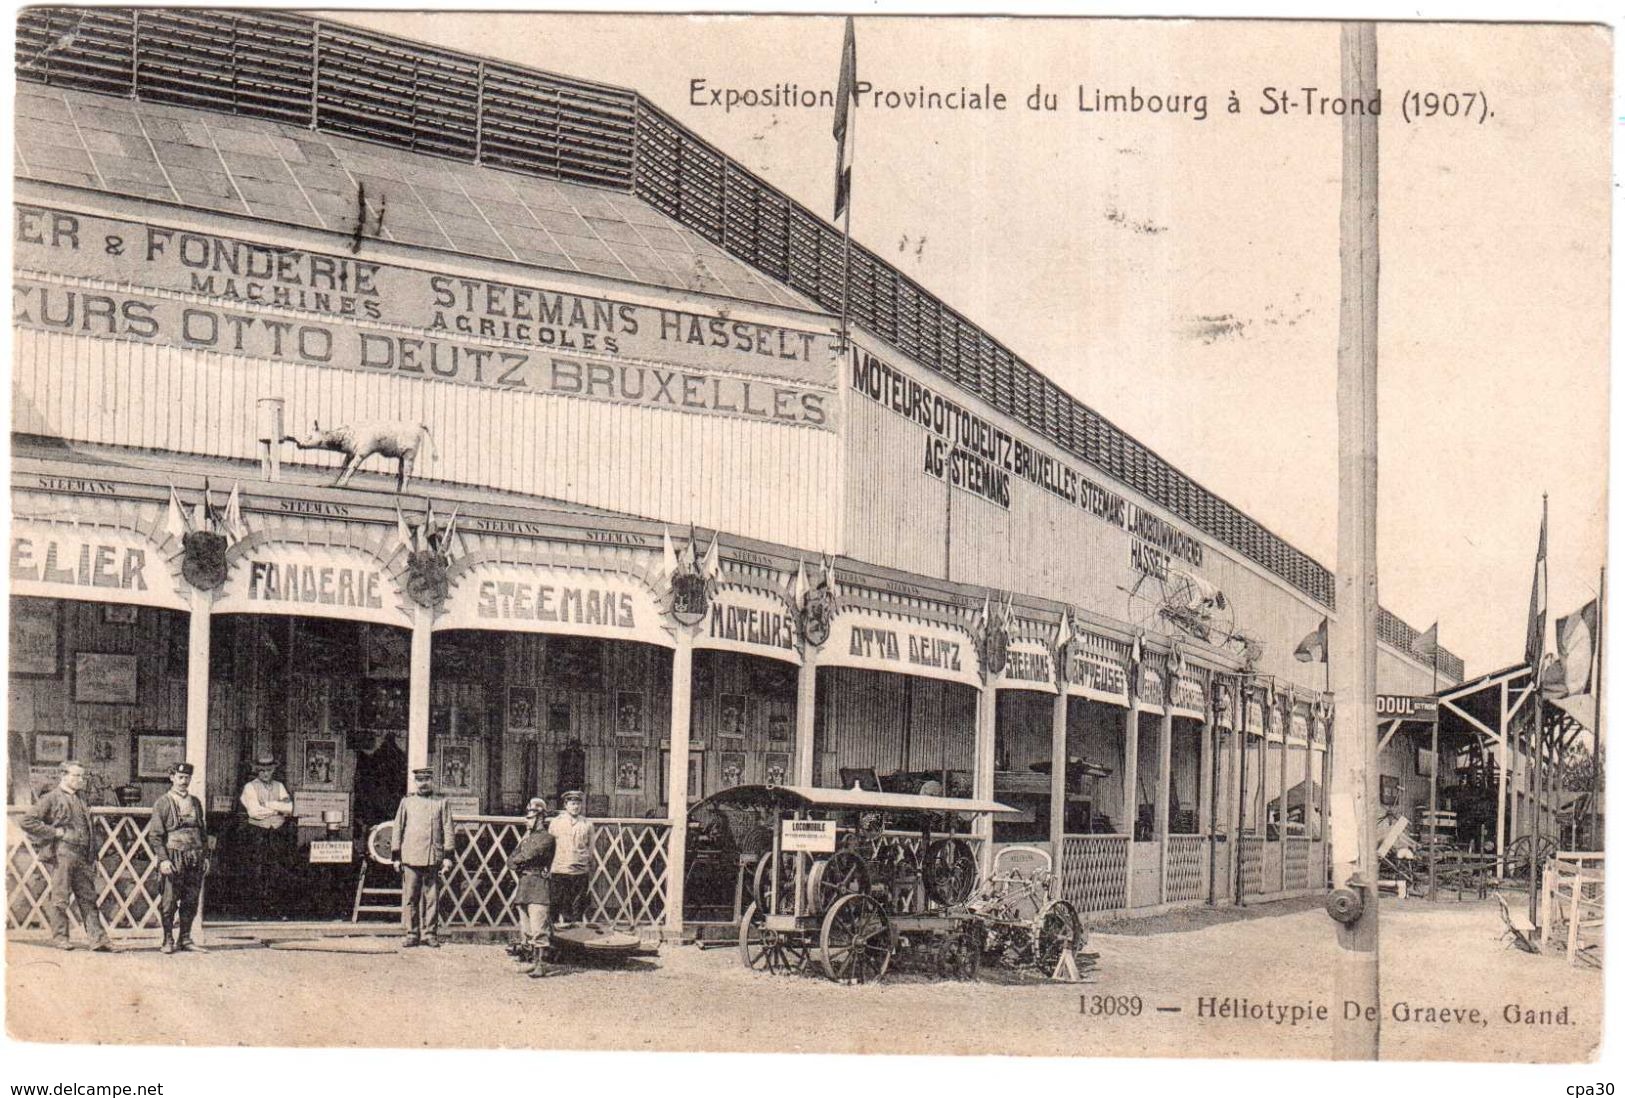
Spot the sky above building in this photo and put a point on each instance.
(1180, 273)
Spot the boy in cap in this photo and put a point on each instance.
(421, 847)
(572, 859)
(179, 833)
(532, 863)
(59, 825)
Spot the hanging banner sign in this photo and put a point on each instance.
(1029, 665)
(237, 272)
(1151, 692)
(1407, 707)
(98, 563)
(808, 836)
(1255, 717)
(1188, 697)
(749, 621)
(543, 598)
(1299, 728)
(315, 581)
(1094, 676)
(904, 646)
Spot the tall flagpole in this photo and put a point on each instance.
(1353, 903)
(1433, 784)
(1539, 654)
(1594, 837)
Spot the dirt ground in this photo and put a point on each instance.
(1159, 986)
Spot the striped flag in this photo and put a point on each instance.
(1570, 674)
(175, 523)
(236, 528)
(845, 95)
(1535, 642)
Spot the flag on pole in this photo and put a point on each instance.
(175, 524)
(1065, 633)
(828, 566)
(403, 532)
(798, 594)
(846, 93)
(1425, 646)
(1312, 649)
(687, 558)
(1570, 673)
(236, 529)
(1535, 642)
(711, 566)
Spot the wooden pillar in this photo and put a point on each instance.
(1131, 791)
(1159, 812)
(1280, 838)
(197, 692)
(1057, 780)
(801, 773)
(417, 710)
(987, 712)
(1206, 820)
(1238, 742)
(682, 696)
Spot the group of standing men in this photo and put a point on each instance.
(59, 825)
(553, 862)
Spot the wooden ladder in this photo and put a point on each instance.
(377, 900)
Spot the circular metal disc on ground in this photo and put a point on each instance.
(606, 941)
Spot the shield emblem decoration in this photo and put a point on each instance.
(204, 564)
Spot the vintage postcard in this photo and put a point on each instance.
(790, 533)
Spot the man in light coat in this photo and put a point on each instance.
(421, 848)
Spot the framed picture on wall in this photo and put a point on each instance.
(52, 747)
(118, 613)
(103, 749)
(780, 723)
(731, 715)
(522, 708)
(1390, 789)
(1424, 762)
(777, 768)
(36, 637)
(696, 774)
(733, 769)
(628, 770)
(108, 678)
(320, 769)
(388, 652)
(155, 752)
(629, 716)
(558, 719)
(457, 766)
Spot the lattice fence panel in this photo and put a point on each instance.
(1297, 862)
(479, 889)
(1187, 868)
(1094, 872)
(1252, 865)
(628, 886)
(128, 882)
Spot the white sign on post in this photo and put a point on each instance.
(809, 836)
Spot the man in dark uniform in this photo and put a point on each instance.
(531, 864)
(59, 826)
(179, 833)
(421, 848)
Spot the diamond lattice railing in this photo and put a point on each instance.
(128, 882)
(1094, 872)
(1187, 868)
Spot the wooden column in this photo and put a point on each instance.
(417, 711)
(1057, 781)
(682, 695)
(987, 710)
(1206, 819)
(801, 772)
(1280, 838)
(1238, 742)
(1131, 792)
(1159, 812)
(197, 692)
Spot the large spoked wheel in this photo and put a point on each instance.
(959, 954)
(841, 874)
(764, 950)
(1059, 929)
(762, 883)
(857, 941)
(950, 872)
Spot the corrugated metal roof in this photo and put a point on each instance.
(297, 176)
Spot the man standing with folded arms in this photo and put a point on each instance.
(59, 825)
(421, 847)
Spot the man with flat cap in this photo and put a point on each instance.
(572, 859)
(269, 806)
(179, 835)
(59, 825)
(421, 848)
